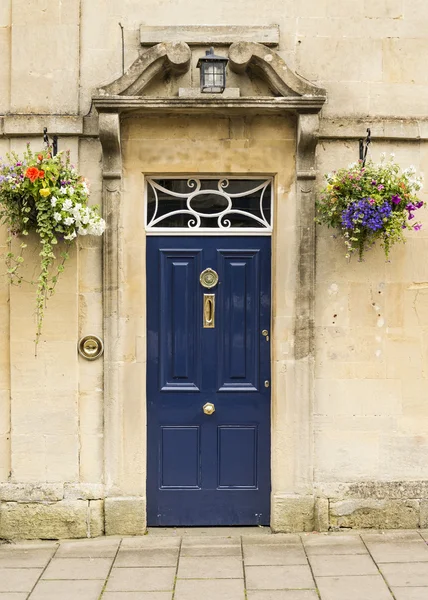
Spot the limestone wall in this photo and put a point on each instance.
(368, 444)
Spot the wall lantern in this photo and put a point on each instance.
(213, 72)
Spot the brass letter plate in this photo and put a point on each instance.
(209, 311)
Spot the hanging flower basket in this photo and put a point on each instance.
(375, 202)
(45, 194)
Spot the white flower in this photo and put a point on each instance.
(85, 216)
(67, 204)
(71, 236)
(71, 190)
(82, 231)
(57, 216)
(63, 191)
(69, 221)
(76, 211)
(54, 201)
(96, 227)
(85, 187)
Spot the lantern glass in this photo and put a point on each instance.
(213, 72)
(213, 78)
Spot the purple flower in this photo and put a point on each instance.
(396, 199)
(419, 204)
(365, 213)
(411, 216)
(417, 226)
(374, 182)
(380, 187)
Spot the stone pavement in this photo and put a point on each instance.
(220, 564)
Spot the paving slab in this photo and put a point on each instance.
(279, 578)
(363, 587)
(78, 568)
(339, 565)
(67, 590)
(275, 538)
(18, 580)
(26, 557)
(390, 536)
(229, 567)
(216, 550)
(283, 595)
(99, 548)
(150, 541)
(137, 596)
(278, 554)
(209, 589)
(405, 574)
(146, 579)
(424, 534)
(386, 552)
(208, 541)
(316, 543)
(13, 596)
(410, 593)
(147, 557)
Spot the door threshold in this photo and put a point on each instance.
(208, 531)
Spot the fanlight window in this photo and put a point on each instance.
(198, 205)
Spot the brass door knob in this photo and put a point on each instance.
(208, 408)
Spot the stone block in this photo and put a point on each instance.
(292, 513)
(83, 491)
(5, 38)
(377, 514)
(321, 514)
(203, 35)
(91, 457)
(5, 457)
(96, 516)
(65, 519)
(196, 93)
(31, 492)
(45, 76)
(423, 517)
(125, 516)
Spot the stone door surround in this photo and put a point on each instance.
(292, 94)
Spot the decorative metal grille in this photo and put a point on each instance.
(198, 205)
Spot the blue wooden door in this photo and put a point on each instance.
(208, 469)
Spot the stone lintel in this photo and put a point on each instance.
(196, 93)
(203, 35)
(248, 104)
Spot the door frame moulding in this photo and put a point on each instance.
(294, 96)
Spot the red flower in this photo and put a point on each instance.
(32, 173)
(40, 157)
(41, 174)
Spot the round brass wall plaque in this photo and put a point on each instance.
(90, 347)
(208, 278)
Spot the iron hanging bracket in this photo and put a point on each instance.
(47, 141)
(364, 146)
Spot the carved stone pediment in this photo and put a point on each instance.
(290, 91)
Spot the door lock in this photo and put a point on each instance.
(267, 383)
(265, 332)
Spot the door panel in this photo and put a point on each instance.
(208, 469)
